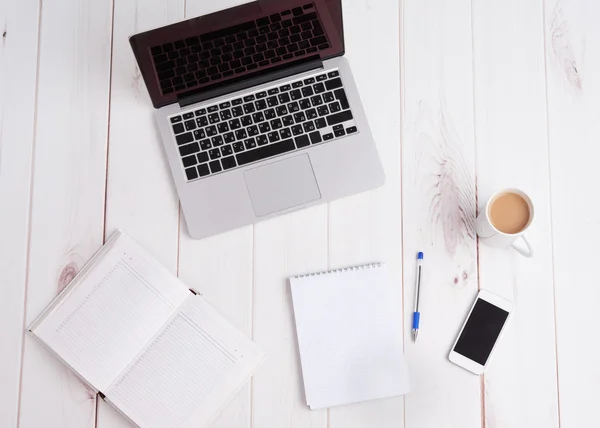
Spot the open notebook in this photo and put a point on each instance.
(150, 346)
(349, 335)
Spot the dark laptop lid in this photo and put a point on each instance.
(236, 44)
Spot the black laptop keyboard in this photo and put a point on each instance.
(197, 60)
(263, 124)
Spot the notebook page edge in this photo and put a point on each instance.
(78, 280)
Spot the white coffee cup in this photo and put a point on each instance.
(494, 237)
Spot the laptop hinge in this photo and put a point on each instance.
(250, 80)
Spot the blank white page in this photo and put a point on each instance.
(349, 337)
(189, 370)
(112, 311)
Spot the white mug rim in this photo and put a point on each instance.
(517, 192)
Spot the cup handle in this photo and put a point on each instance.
(522, 251)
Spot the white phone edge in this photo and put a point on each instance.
(467, 363)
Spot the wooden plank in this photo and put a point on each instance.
(512, 151)
(68, 192)
(367, 227)
(289, 245)
(220, 267)
(439, 199)
(572, 41)
(140, 196)
(18, 66)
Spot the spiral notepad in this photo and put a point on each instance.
(349, 336)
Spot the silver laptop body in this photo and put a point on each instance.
(342, 162)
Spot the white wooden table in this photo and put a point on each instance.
(463, 96)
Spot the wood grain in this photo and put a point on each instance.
(438, 198)
(68, 192)
(140, 197)
(367, 227)
(512, 151)
(19, 23)
(572, 41)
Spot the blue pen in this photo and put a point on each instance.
(416, 313)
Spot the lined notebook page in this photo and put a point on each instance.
(101, 325)
(349, 335)
(191, 367)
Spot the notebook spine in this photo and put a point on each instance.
(348, 269)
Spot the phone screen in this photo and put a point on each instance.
(481, 331)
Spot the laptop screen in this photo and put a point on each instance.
(234, 43)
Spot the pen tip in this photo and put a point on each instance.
(420, 255)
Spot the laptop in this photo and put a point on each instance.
(258, 111)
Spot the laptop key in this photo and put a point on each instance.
(260, 95)
(226, 150)
(261, 140)
(250, 143)
(202, 121)
(178, 128)
(202, 157)
(309, 126)
(237, 111)
(270, 114)
(299, 117)
(225, 114)
(223, 127)
(214, 153)
(334, 73)
(191, 173)
(189, 149)
(307, 91)
(334, 107)
(296, 84)
(285, 88)
(293, 107)
(265, 152)
(315, 137)
(319, 88)
(240, 134)
(272, 101)
(273, 136)
(328, 137)
(229, 137)
(225, 105)
(176, 119)
(234, 124)
(321, 77)
(333, 84)
(189, 115)
(248, 98)
(288, 120)
(302, 141)
(212, 109)
(252, 130)
(320, 123)
(322, 110)
(211, 130)
(228, 162)
(295, 94)
(246, 120)
(285, 133)
(249, 108)
(339, 117)
(341, 96)
(188, 137)
(311, 113)
(284, 98)
(297, 130)
(205, 144)
(304, 104)
(217, 141)
(199, 134)
(213, 118)
(317, 100)
(328, 97)
(189, 125)
(238, 146)
(281, 111)
(215, 166)
(260, 104)
(351, 130)
(264, 127)
(190, 161)
(276, 124)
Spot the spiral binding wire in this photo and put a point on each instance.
(348, 269)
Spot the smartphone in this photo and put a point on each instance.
(479, 334)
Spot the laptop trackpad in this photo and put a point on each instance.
(282, 185)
